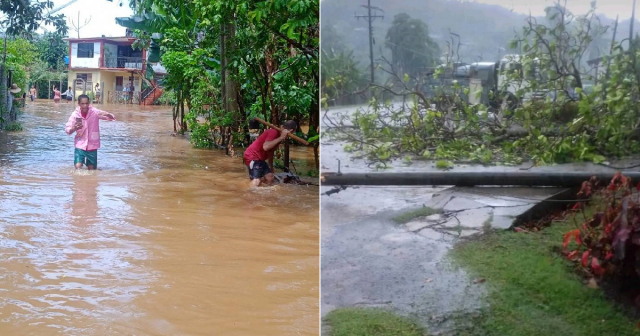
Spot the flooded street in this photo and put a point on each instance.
(162, 239)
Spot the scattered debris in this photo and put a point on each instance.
(335, 190)
(291, 179)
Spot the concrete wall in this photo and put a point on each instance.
(85, 62)
(95, 78)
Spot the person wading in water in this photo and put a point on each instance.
(261, 151)
(56, 95)
(33, 93)
(85, 121)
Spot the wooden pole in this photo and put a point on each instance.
(294, 137)
(286, 156)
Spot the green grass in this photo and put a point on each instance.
(422, 212)
(370, 322)
(534, 290)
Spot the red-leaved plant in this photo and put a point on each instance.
(608, 240)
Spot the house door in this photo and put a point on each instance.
(118, 83)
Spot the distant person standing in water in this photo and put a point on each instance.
(85, 121)
(131, 91)
(261, 151)
(97, 89)
(56, 95)
(33, 93)
(68, 95)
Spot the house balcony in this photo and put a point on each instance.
(124, 63)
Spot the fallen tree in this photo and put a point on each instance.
(558, 118)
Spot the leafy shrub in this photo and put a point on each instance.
(13, 127)
(608, 242)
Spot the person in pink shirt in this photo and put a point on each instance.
(85, 122)
(56, 95)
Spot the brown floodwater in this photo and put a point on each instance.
(163, 239)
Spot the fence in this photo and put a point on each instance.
(123, 97)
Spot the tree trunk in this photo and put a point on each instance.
(3, 86)
(286, 156)
(223, 66)
(175, 116)
(182, 125)
(232, 88)
(243, 119)
(314, 116)
(314, 124)
(271, 68)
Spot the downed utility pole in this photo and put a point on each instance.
(469, 179)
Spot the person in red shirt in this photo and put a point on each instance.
(261, 151)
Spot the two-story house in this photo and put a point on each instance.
(114, 64)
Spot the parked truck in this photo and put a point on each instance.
(487, 82)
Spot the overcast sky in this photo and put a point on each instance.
(610, 8)
(101, 12)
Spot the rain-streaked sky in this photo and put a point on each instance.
(610, 8)
(101, 12)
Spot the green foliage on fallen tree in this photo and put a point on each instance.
(547, 110)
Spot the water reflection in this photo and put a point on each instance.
(84, 203)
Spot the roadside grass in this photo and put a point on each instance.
(534, 290)
(370, 322)
(422, 212)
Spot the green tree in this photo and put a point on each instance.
(411, 47)
(229, 61)
(25, 17)
(21, 19)
(52, 49)
(553, 120)
(341, 76)
(332, 41)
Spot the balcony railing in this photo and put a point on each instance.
(124, 62)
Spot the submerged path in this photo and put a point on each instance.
(371, 261)
(163, 239)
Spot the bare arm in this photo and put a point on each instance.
(269, 145)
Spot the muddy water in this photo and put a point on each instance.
(163, 239)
